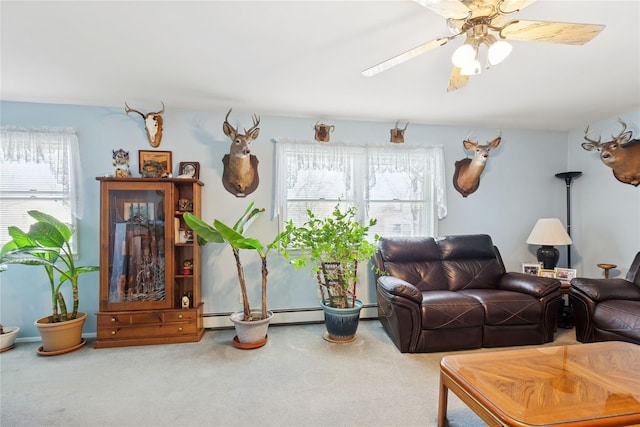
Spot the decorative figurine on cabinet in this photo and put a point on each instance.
(187, 267)
(120, 160)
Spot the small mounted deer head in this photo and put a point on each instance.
(240, 176)
(152, 124)
(397, 134)
(466, 177)
(322, 132)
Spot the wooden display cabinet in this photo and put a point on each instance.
(150, 269)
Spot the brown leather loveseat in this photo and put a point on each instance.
(608, 309)
(453, 293)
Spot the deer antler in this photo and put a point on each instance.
(131, 110)
(256, 122)
(159, 112)
(586, 137)
(624, 127)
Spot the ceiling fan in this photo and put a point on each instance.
(481, 22)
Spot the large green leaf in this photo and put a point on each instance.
(46, 235)
(234, 238)
(204, 231)
(65, 231)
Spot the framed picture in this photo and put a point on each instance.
(565, 274)
(547, 273)
(162, 157)
(531, 268)
(189, 170)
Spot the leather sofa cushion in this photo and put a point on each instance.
(470, 262)
(415, 260)
(450, 310)
(506, 307)
(620, 317)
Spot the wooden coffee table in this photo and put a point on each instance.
(594, 384)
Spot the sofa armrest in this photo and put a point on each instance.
(528, 284)
(399, 287)
(606, 289)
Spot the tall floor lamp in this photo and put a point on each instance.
(568, 178)
(566, 318)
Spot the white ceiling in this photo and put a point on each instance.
(304, 59)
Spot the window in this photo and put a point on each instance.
(401, 186)
(39, 169)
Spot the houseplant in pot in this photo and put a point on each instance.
(47, 244)
(251, 325)
(8, 337)
(333, 246)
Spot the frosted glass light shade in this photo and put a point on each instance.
(464, 56)
(549, 232)
(498, 52)
(472, 69)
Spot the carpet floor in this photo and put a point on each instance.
(296, 379)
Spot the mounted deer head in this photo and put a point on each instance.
(622, 154)
(466, 178)
(397, 134)
(240, 176)
(152, 124)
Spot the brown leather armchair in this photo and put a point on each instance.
(453, 293)
(607, 309)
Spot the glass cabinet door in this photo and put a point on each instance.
(138, 223)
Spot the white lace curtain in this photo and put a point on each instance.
(420, 160)
(55, 147)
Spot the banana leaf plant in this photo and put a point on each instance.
(235, 236)
(47, 244)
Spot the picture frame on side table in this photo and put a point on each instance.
(565, 274)
(547, 273)
(531, 268)
(162, 157)
(189, 170)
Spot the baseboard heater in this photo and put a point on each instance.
(286, 316)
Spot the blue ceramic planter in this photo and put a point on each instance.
(341, 323)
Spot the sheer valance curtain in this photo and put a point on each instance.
(29, 149)
(426, 164)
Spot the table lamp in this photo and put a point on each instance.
(548, 232)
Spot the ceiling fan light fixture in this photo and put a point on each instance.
(498, 51)
(464, 56)
(472, 69)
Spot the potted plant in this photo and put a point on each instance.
(334, 246)
(251, 325)
(8, 337)
(47, 244)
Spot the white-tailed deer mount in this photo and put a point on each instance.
(322, 132)
(622, 154)
(397, 134)
(152, 124)
(466, 178)
(240, 175)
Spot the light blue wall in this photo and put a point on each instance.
(517, 187)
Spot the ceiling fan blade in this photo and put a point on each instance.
(448, 8)
(511, 6)
(554, 32)
(403, 57)
(457, 80)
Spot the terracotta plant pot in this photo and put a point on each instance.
(61, 337)
(250, 334)
(8, 339)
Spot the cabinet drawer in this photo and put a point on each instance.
(146, 331)
(180, 316)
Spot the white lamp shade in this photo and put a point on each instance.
(498, 52)
(549, 232)
(464, 56)
(472, 69)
